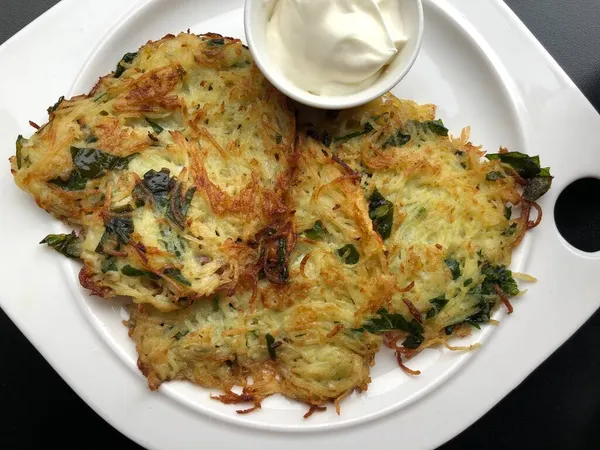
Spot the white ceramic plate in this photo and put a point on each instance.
(478, 63)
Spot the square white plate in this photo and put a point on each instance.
(479, 64)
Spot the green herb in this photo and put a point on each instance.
(216, 42)
(538, 185)
(117, 231)
(494, 175)
(454, 267)
(485, 305)
(66, 244)
(155, 127)
(432, 126)
(397, 140)
(500, 276)
(413, 341)
(126, 59)
(381, 212)
(100, 97)
(349, 254)
(216, 303)
(367, 128)
(317, 232)
(508, 212)
(181, 334)
(278, 138)
(109, 264)
(467, 282)
(271, 346)
(179, 205)
(473, 323)
(56, 105)
(525, 165)
(510, 230)
(437, 304)
(175, 274)
(75, 182)
(157, 183)
(133, 272)
(385, 321)
(93, 163)
(326, 139)
(19, 147)
(166, 193)
(422, 212)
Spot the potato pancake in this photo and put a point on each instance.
(171, 165)
(444, 216)
(300, 339)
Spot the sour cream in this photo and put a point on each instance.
(334, 47)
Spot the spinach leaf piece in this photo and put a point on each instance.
(525, 165)
(75, 182)
(413, 341)
(179, 204)
(385, 321)
(437, 304)
(494, 175)
(538, 185)
(349, 254)
(117, 231)
(317, 232)
(133, 272)
(510, 230)
(56, 105)
(93, 163)
(381, 212)
(432, 126)
(216, 302)
(166, 192)
(397, 140)
(175, 274)
(109, 265)
(508, 212)
(271, 346)
(499, 275)
(367, 128)
(155, 127)
(19, 153)
(181, 334)
(216, 42)
(66, 244)
(454, 267)
(126, 59)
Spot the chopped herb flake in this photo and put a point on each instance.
(349, 254)
(66, 244)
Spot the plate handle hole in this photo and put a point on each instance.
(577, 214)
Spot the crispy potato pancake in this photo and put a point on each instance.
(299, 339)
(269, 256)
(442, 212)
(171, 165)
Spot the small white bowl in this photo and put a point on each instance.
(256, 16)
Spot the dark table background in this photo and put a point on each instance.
(557, 407)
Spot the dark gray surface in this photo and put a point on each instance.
(557, 407)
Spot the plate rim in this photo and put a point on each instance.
(575, 99)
